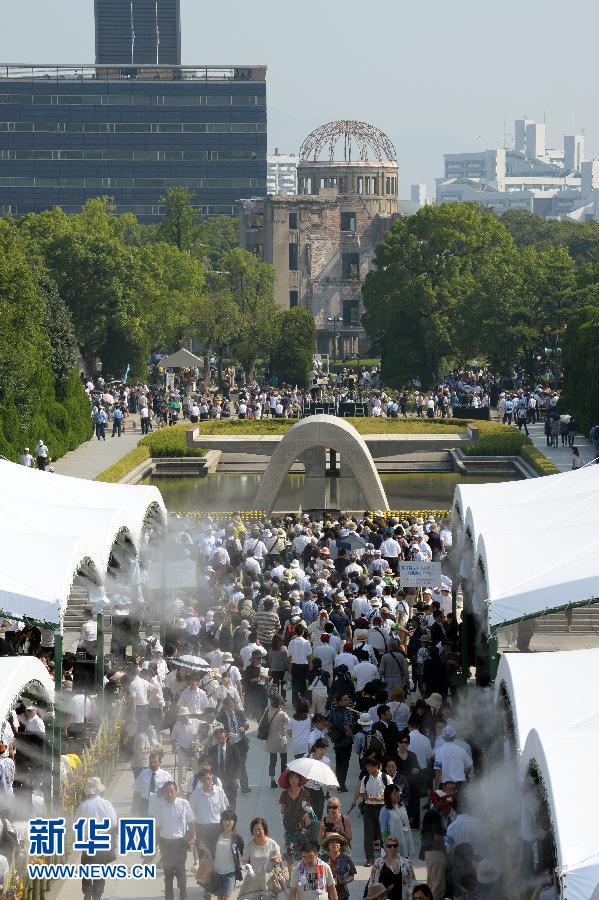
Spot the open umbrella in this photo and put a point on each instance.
(191, 662)
(351, 541)
(314, 770)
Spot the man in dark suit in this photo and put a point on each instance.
(226, 764)
(236, 724)
(387, 729)
(438, 628)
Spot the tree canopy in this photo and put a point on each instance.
(454, 283)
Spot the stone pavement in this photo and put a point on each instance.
(560, 456)
(92, 457)
(262, 801)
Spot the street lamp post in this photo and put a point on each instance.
(334, 320)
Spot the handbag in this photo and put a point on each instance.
(204, 870)
(277, 880)
(264, 726)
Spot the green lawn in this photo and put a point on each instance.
(369, 425)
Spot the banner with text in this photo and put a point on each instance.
(417, 573)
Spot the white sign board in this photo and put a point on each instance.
(416, 573)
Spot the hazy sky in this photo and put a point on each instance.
(435, 76)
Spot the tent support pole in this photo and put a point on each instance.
(465, 662)
(57, 723)
(493, 661)
(454, 602)
(100, 653)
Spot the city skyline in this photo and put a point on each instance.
(443, 86)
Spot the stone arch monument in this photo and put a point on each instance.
(322, 432)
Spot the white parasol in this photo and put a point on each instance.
(314, 770)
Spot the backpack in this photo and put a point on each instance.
(373, 743)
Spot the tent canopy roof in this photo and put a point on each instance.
(539, 689)
(53, 526)
(16, 673)
(182, 359)
(565, 764)
(527, 561)
(37, 573)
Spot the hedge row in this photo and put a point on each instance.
(170, 442)
(538, 460)
(118, 470)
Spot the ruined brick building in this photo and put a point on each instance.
(322, 240)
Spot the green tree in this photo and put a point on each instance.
(251, 282)
(435, 275)
(580, 360)
(214, 237)
(40, 394)
(292, 357)
(179, 217)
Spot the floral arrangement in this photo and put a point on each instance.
(14, 889)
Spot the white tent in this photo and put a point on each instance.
(20, 673)
(37, 573)
(540, 694)
(566, 766)
(53, 528)
(182, 359)
(525, 495)
(530, 573)
(515, 548)
(139, 501)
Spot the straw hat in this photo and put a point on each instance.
(435, 701)
(93, 786)
(183, 711)
(376, 890)
(333, 836)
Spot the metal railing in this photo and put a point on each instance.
(129, 72)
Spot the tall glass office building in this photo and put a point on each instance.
(131, 131)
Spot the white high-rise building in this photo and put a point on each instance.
(281, 173)
(419, 194)
(573, 152)
(549, 181)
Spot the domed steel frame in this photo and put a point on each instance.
(367, 138)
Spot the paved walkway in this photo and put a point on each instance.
(262, 801)
(559, 456)
(92, 457)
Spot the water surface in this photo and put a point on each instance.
(229, 492)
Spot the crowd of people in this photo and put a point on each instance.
(312, 649)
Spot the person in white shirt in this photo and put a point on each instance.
(248, 651)
(452, 761)
(184, 733)
(160, 662)
(95, 807)
(26, 459)
(420, 745)
(138, 698)
(364, 672)
(325, 653)
(208, 801)
(41, 455)
(148, 783)
(33, 723)
(300, 651)
(175, 826)
(193, 697)
(176, 681)
(88, 636)
(346, 659)
(391, 551)
(7, 771)
(360, 608)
